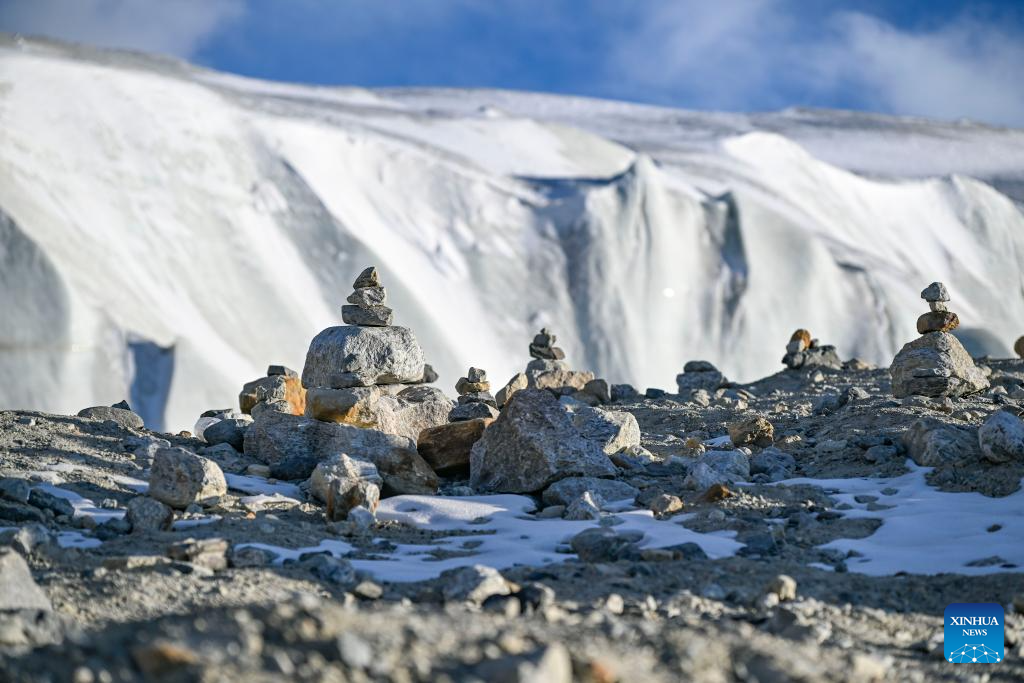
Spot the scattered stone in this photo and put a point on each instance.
(775, 464)
(148, 514)
(347, 470)
(665, 505)
(18, 590)
(345, 495)
(1002, 437)
(531, 445)
(447, 447)
(45, 500)
(587, 506)
(599, 389)
(604, 544)
(473, 584)
(933, 443)
(211, 553)
(293, 446)
(336, 570)
(163, 658)
(547, 664)
(755, 430)
(567, 490)
(715, 493)
(614, 430)
(699, 374)
(179, 478)
(353, 651)
(124, 418)
(250, 556)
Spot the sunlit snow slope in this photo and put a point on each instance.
(166, 231)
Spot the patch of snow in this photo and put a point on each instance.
(927, 531)
(258, 485)
(84, 507)
(194, 522)
(76, 539)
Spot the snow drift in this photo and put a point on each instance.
(167, 231)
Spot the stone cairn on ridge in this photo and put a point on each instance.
(804, 352)
(547, 369)
(936, 364)
(475, 399)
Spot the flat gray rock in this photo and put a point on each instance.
(18, 590)
(565, 491)
(348, 356)
(533, 444)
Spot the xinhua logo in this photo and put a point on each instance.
(973, 633)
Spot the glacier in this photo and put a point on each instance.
(167, 231)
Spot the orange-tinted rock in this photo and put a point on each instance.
(802, 336)
(937, 321)
(447, 447)
(274, 388)
(1019, 347)
(715, 493)
(754, 430)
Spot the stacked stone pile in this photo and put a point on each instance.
(446, 448)
(475, 399)
(367, 302)
(804, 352)
(936, 364)
(548, 370)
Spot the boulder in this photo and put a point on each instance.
(124, 418)
(446, 448)
(533, 444)
(933, 443)
(341, 467)
(559, 380)
(587, 506)
(518, 382)
(293, 446)
(1002, 437)
(935, 365)
(406, 413)
(148, 514)
(278, 386)
(179, 478)
(348, 356)
(754, 430)
(565, 491)
(699, 374)
(230, 431)
(614, 430)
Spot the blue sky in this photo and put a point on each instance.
(939, 58)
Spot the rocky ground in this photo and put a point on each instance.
(130, 604)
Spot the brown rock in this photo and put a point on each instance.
(937, 321)
(278, 387)
(447, 446)
(665, 505)
(802, 336)
(464, 386)
(1018, 346)
(754, 430)
(405, 413)
(518, 382)
(162, 657)
(715, 493)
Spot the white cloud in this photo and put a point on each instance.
(177, 28)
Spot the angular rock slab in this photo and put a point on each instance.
(297, 444)
(347, 356)
(447, 447)
(406, 413)
(533, 444)
(935, 365)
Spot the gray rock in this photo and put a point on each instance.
(347, 356)
(211, 553)
(565, 491)
(624, 392)
(368, 296)
(471, 411)
(813, 357)
(345, 496)
(473, 584)
(1002, 437)
(933, 443)
(599, 389)
(27, 538)
(15, 488)
(251, 557)
(518, 382)
(717, 467)
(353, 651)
(148, 514)
(604, 544)
(775, 464)
(281, 370)
(368, 278)
(231, 432)
(367, 316)
(47, 501)
(614, 430)
(587, 506)
(406, 413)
(179, 478)
(334, 570)
(699, 374)
(936, 291)
(531, 445)
(935, 364)
(294, 445)
(18, 590)
(124, 418)
(344, 468)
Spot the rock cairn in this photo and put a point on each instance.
(697, 375)
(543, 347)
(548, 370)
(475, 399)
(803, 351)
(939, 318)
(366, 302)
(936, 363)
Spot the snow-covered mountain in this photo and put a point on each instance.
(167, 231)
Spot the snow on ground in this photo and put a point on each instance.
(927, 531)
(171, 231)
